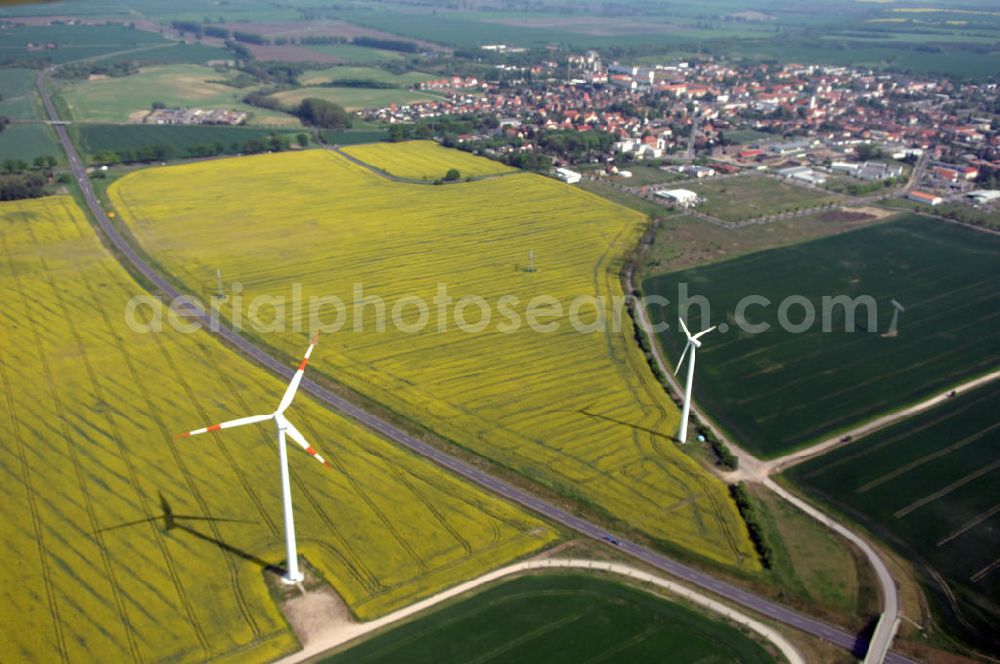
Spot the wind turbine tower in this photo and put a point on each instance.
(284, 428)
(220, 292)
(893, 329)
(693, 344)
(531, 261)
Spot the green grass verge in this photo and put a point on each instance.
(739, 198)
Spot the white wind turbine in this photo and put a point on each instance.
(692, 344)
(284, 428)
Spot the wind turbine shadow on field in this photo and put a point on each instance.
(174, 522)
(597, 416)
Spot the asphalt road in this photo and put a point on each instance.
(510, 492)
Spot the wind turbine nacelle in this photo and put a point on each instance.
(695, 343)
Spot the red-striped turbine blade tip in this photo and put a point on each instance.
(315, 339)
(186, 434)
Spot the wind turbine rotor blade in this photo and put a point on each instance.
(704, 332)
(680, 363)
(684, 327)
(253, 419)
(297, 436)
(293, 386)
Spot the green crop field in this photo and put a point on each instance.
(316, 222)
(90, 468)
(116, 99)
(95, 138)
(26, 142)
(354, 99)
(353, 136)
(182, 53)
(18, 99)
(74, 41)
(358, 55)
(777, 390)
(425, 160)
(318, 76)
(929, 486)
(558, 618)
(745, 197)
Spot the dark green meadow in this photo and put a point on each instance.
(73, 42)
(116, 138)
(930, 486)
(776, 390)
(559, 618)
(172, 54)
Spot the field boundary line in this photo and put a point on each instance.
(362, 493)
(30, 498)
(525, 637)
(133, 476)
(971, 523)
(783, 463)
(957, 484)
(981, 574)
(109, 568)
(395, 178)
(916, 463)
(337, 635)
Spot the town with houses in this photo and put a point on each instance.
(809, 124)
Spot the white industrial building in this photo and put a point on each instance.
(869, 170)
(568, 176)
(803, 174)
(984, 196)
(683, 197)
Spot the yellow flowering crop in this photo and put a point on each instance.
(578, 412)
(424, 160)
(90, 466)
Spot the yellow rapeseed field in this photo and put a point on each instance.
(578, 412)
(424, 160)
(90, 467)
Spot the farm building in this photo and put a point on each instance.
(697, 171)
(803, 174)
(983, 196)
(682, 197)
(923, 197)
(789, 148)
(869, 170)
(568, 176)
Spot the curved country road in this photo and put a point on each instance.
(500, 487)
